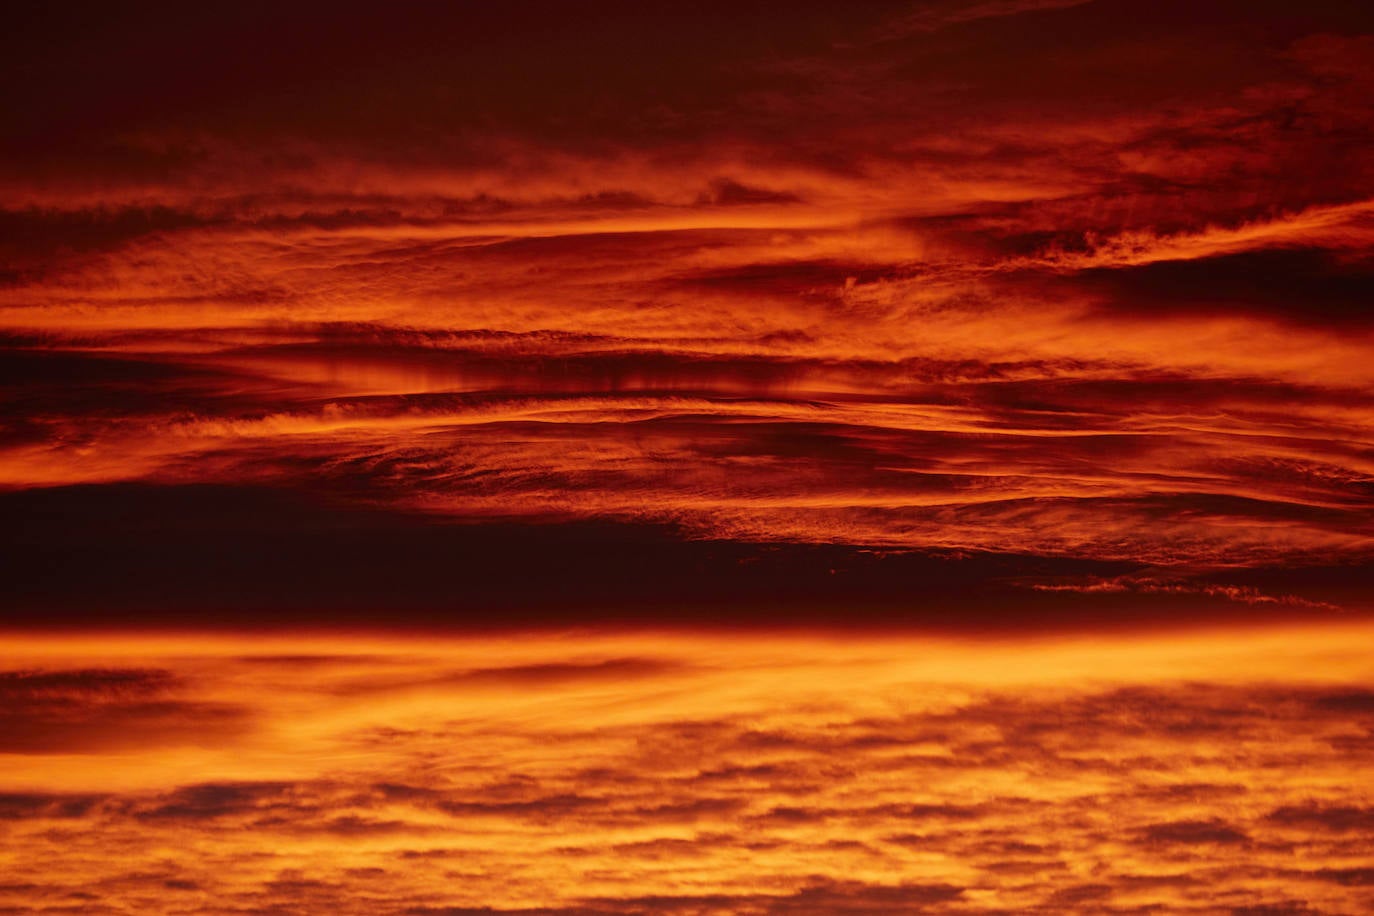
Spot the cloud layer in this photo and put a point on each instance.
(931, 277)
(683, 774)
(498, 334)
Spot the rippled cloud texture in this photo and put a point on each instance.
(571, 774)
(1005, 342)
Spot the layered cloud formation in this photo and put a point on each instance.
(1023, 324)
(682, 774)
(1007, 279)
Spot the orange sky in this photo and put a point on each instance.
(686, 773)
(1039, 332)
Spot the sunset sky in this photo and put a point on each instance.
(574, 459)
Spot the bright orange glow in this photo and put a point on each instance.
(682, 772)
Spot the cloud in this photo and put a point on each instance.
(550, 674)
(739, 346)
(1352, 702)
(213, 800)
(35, 805)
(1338, 819)
(744, 781)
(1349, 877)
(542, 326)
(1193, 832)
(99, 710)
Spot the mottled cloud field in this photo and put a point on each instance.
(681, 774)
(1079, 290)
(382, 389)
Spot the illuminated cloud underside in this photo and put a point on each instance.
(686, 774)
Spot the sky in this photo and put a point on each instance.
(825, 458)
